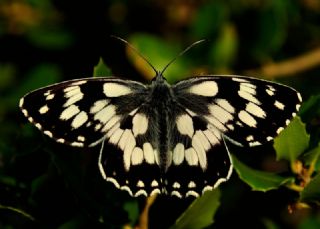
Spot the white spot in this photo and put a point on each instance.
(225, 105)
(21, 101)
(148, 153)
(185, 125)
(77, 144)
(215, 122)
(137, 156)
(249, 138)
(61, 140)
(256, 143)
(127, 144)
(48, 133)
(113, 181)
(191, 156)
(105, 114)
(220, 114)
(248, 87)
(81, 138)
(211, 137)
(139, 124)
(247, 96)
(279, 130)
(176, 193)
(141, 192)
(30, 119)
(201, 144)
(255, 110)
(247, 119)
(133, 112)
(50, 96)
(79, 82)
(79, 120)
(287, 121)
(206, 88)
(176, 185)
(140, 184)
(25, 112)
(115, 137)
(44, 109)
(192, 193)
(298, 107)
(269, 138)
(279, 105)
(178, 154)
(230, 126)
(299, 96)
(98, 105)
(38, 125)
(115, 89)
(154, 183)
(270, 92)
(98, 126)
(191, 184)
(69, 112)
(67, 90)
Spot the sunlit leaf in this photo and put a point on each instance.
(292, 141)
(101, 69)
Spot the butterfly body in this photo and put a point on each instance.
(161, 138)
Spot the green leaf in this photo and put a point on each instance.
(223, 52)
(292, 141)
(310, 108)
(311, 193)
(259, 180)
(201, 212)
(101, 69)
(159, 53)
(132, 208)
(312, 157)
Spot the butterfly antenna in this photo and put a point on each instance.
(181, 53)
(136, 51)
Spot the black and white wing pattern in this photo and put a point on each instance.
(242, 110)
(106, 111)
(82, 112)
(159, 138)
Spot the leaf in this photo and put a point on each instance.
(312, 157)
(292, 141)
(259, 180)
(311, 193)
(310, 108)
(101, 69)
(200, 213)
(132, 208)
(159, 53)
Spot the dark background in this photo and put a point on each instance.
(49, 185)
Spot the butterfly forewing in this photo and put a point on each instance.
(245, 110)
(81, 112)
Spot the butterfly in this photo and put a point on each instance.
(161, 138)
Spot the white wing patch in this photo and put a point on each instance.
(139, 124)
(206, 88)
(185, 125)
(116, 90)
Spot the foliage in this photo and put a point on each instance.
(47, 185)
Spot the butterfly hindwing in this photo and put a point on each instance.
(199, 159)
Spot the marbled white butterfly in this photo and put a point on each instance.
(159, 138)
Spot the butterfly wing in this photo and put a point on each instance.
(246, 110)
(82, 112)
(243, 110)
(109, 111)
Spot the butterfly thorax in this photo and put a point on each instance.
(162, 98)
